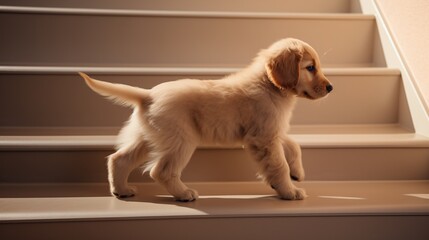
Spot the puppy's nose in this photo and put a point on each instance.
(329, 88)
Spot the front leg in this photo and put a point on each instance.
(293, 155)
(274, 169)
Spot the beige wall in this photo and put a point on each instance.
(408, 21)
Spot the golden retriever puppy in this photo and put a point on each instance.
(252, 107)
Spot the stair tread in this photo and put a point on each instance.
(307, 136)
(33, 202)
(181, 13)
(240, 5)
(150, 70)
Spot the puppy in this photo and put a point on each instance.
(252, 107)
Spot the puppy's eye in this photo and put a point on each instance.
(311, 68)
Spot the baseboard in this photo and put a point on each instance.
(394, 59)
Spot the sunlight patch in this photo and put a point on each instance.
(422, 195)
(225, 196)
(235, 196)
(343, 198)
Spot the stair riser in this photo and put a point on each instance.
(319, 6)
(220, 165)
(94, 40)
(250, 227)
(51, 100)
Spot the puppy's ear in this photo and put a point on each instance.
(283, 70)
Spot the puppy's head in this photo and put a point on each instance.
(294, 66)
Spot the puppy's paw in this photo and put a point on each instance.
(188, 195)
(125, 192)
(293, 194)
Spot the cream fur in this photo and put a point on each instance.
(252, 107)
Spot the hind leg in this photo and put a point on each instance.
(168, 170)
(120, 165)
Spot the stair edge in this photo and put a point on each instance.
(193, 14)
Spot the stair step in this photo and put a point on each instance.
(386, 152)
(381, 209)
(346, 105)
(317, 6)
(94, 37)
(308, 136)
(190, 71)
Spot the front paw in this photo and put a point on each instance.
(124, 192)
(292, 194)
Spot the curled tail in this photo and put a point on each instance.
(120, 93)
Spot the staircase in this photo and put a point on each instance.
(365, 147)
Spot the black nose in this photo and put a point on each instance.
(329, 88)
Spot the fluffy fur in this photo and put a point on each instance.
(252, 107)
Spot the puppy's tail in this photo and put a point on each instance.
(119, 93)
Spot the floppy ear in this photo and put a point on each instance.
(283, 70)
